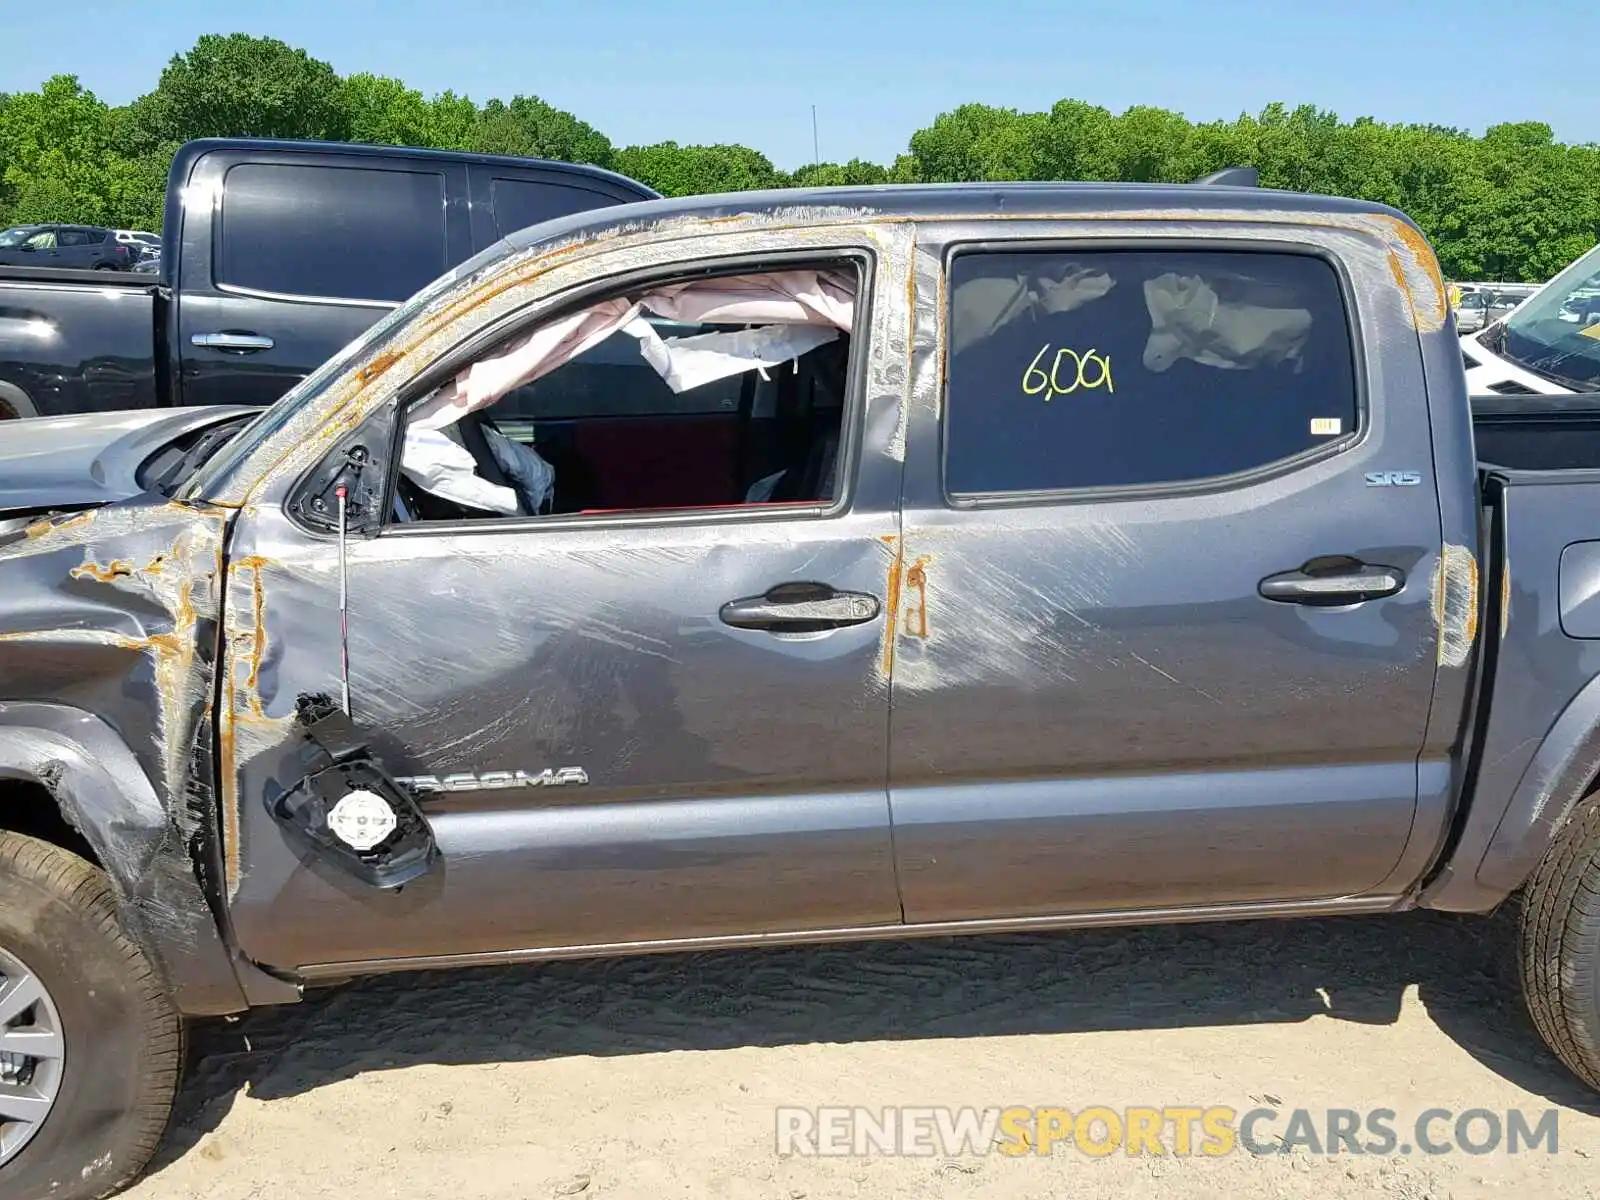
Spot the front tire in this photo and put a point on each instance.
(1561, 945)
(90, 1046)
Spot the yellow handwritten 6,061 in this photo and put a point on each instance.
(1068, 372)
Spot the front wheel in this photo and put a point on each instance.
(1561, 945)
(90, 1047)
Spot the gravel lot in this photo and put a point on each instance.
(660, 1076)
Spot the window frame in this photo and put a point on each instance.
(1206, 485)
(556, 306)
(219, 224)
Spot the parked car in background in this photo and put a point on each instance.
(1480, 306)
(1547, 344)
(1470, 311)
(139, 237)
(1582, 308)
(146, 248)
(1505, 299)
(82, 247)
(282, 252)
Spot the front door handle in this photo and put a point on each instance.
(801, 608)
(1333, 581)
(245, 342)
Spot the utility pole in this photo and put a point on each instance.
(816, 155)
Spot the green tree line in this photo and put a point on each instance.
(1513, 204)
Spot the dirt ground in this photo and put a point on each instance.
(658, 1077)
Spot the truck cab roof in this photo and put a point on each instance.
(193, 151)
(946, 201)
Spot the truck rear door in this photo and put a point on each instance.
(1170, 538)
(285, 257)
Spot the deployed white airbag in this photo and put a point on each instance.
(799, 311)
(779, 298)
(537, 353)
(981, 307)
(443, 468)
(1189, 320)
(690, 362)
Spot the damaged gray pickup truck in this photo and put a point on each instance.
(794, 567)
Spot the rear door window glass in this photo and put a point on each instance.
(519, 203)
(356, 233)
(1140, 368)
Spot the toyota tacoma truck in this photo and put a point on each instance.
(277, 253)
(930, 560)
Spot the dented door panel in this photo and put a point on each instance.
(600, 756)
(735, 779)
(1094, 709)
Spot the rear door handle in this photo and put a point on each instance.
(231, 341)
(1333, 582)
(800, 608)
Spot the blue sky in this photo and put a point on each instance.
(877, 69)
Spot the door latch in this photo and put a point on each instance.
(1333, 580)
(801, 608)
(241, 343)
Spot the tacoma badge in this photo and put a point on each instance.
(475, 781)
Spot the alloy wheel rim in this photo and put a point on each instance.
(32, 1055)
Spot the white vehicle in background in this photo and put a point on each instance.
(146, 245)
(1484, 303)
(1470, 312)
(1548, 345)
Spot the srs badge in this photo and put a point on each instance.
(1393, 478)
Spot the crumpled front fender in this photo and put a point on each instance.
(108, 635)
(105, 795)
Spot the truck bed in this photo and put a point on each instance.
(77, 341)
(1537, 433)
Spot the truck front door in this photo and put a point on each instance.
(1171, 544)
(651, 706)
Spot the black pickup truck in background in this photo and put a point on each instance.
(277, 254)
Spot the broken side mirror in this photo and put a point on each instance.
(360, 465)
(346, 807)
